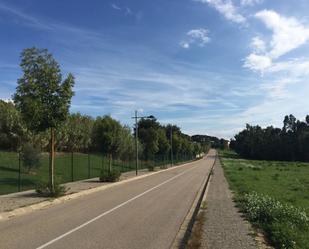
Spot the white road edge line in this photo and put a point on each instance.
(111, 210)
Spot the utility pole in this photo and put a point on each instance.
(171, 137)
(136, 143)
(136, 137)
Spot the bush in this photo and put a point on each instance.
(112, 176)
(43, 189)
(30, 157)
(150, 167)
(280, 221)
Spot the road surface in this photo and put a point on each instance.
(145, 213)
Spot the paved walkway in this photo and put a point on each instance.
(224, 227)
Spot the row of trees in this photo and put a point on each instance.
(39, 115)
(82, 133)
(290, 143)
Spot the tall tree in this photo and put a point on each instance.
(107, 137)
(148, 135)
(42, 97)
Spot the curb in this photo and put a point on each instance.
(48, 203)
(184, 232)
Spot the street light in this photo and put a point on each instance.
(136, 136)
(171, 138)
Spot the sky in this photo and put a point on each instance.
(209, 66)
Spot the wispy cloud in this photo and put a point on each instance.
(29, 20)
(250, 2)
(226, 8)
(126, 10)
(115, 6)
(196, 36)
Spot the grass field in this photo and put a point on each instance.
(274, 195)
(9, 169)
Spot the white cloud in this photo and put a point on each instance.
(226, 8)
(125, 10)
(184, 44)
(294, 68)
(196, 36)
(199, 35)
(257, 62)
(258, 45)
(250, 2)
(115, 6)
(288, 32)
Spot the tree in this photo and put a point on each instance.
(127, 151)
(164, 143)
(12, 129)
(107, 137)
(76, 133)
(42, 97)
(148, 135)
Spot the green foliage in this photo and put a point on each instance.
(110, 176)
(31, 157)
(149, 136)
(106, 135)
(42, 97)
(75, 134)
(12, 128)
(44, 189)
(290, 143)
(282, 221)
(127, 150)
(163, 142)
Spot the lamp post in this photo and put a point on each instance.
(136, 117)
(171, 138)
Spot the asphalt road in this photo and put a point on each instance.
(145, 213)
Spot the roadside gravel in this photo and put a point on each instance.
(224, 227)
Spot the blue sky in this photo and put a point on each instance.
(209, 66)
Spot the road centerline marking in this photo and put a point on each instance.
(112, 210)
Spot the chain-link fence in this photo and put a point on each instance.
(69, 167)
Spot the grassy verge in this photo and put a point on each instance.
(273, 195)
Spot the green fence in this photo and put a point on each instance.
(68, 167)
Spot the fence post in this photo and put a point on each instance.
(72, 166)
(19, 172)
(88, 165)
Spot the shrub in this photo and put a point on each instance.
(150, 167)
(43, 189)
(110, 176)
(30, 157)
(280, 221)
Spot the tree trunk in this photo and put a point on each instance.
(110, 163)
(52, 159)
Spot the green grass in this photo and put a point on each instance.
(281, 185)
